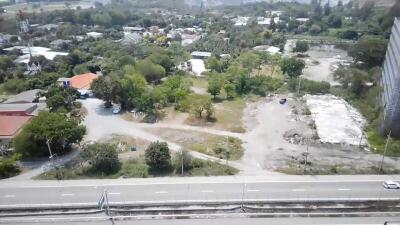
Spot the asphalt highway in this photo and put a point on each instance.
(221, 221)
(165, 192)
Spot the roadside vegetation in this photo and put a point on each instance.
(100, 160)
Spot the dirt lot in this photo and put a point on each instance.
(279, 136)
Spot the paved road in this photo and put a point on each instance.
(89, 192)
(222, 221)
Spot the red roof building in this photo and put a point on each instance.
(83, 81)
(10, 126)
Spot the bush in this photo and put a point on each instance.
(102, 157)
(134, 169)
(187, 162)
(157, 156)
(9, 166)
(309, 86)
(301, 46)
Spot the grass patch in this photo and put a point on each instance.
(377, 143)
(228, 115)
(199, 82)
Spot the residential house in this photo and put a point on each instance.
(30, 96)
(80, 82)
(10, 126)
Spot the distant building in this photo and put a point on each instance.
(95, 35)
(200, 55)
(21, 109)
(390, 83)
(25, 97)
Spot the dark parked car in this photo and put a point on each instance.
(282, 101)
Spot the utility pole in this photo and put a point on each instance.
(384, 152)
(305, 160)
(298, 87)
(182, 161)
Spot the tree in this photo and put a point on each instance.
(327, 9)
(370, 51)
(157, 156)
(214, 85)
(365, 11)
(198, 105)
(59, 130)
(315, 29)
(151, 71)
(58, 98)
(213, 64)
(102, 157)
(335, 21)
(292, 67)
(103, 88)
(301, 46)
(229, 90)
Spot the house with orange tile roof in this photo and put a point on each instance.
(10, 126)
(83, 81)
(80, 82)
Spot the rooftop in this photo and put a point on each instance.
(11, 125)
(24, 97)
(83, 81)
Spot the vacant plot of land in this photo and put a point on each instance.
(125, 144)
(215, 145)
(229, 115)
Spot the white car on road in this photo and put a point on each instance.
(391, 185)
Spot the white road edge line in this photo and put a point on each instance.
(344, 189)
(298, 190)
(9, 196)
(67, 195)
(161, 192)
(207, 191)
(253, 190)
(114, 193)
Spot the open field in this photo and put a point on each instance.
(214, 145)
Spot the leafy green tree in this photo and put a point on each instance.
(102, 157)
(301, 46)
(327, 9)
(157, 156)
(248, 60)
(370, 51)
(335, 21)
(58, 129)
(215, 85)
(151, 71)
(292, 67)
(229, 90)
(104, 88)
(213, 64)
(133, 87)
(58, 98)
(198, 105)
(162, 58)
